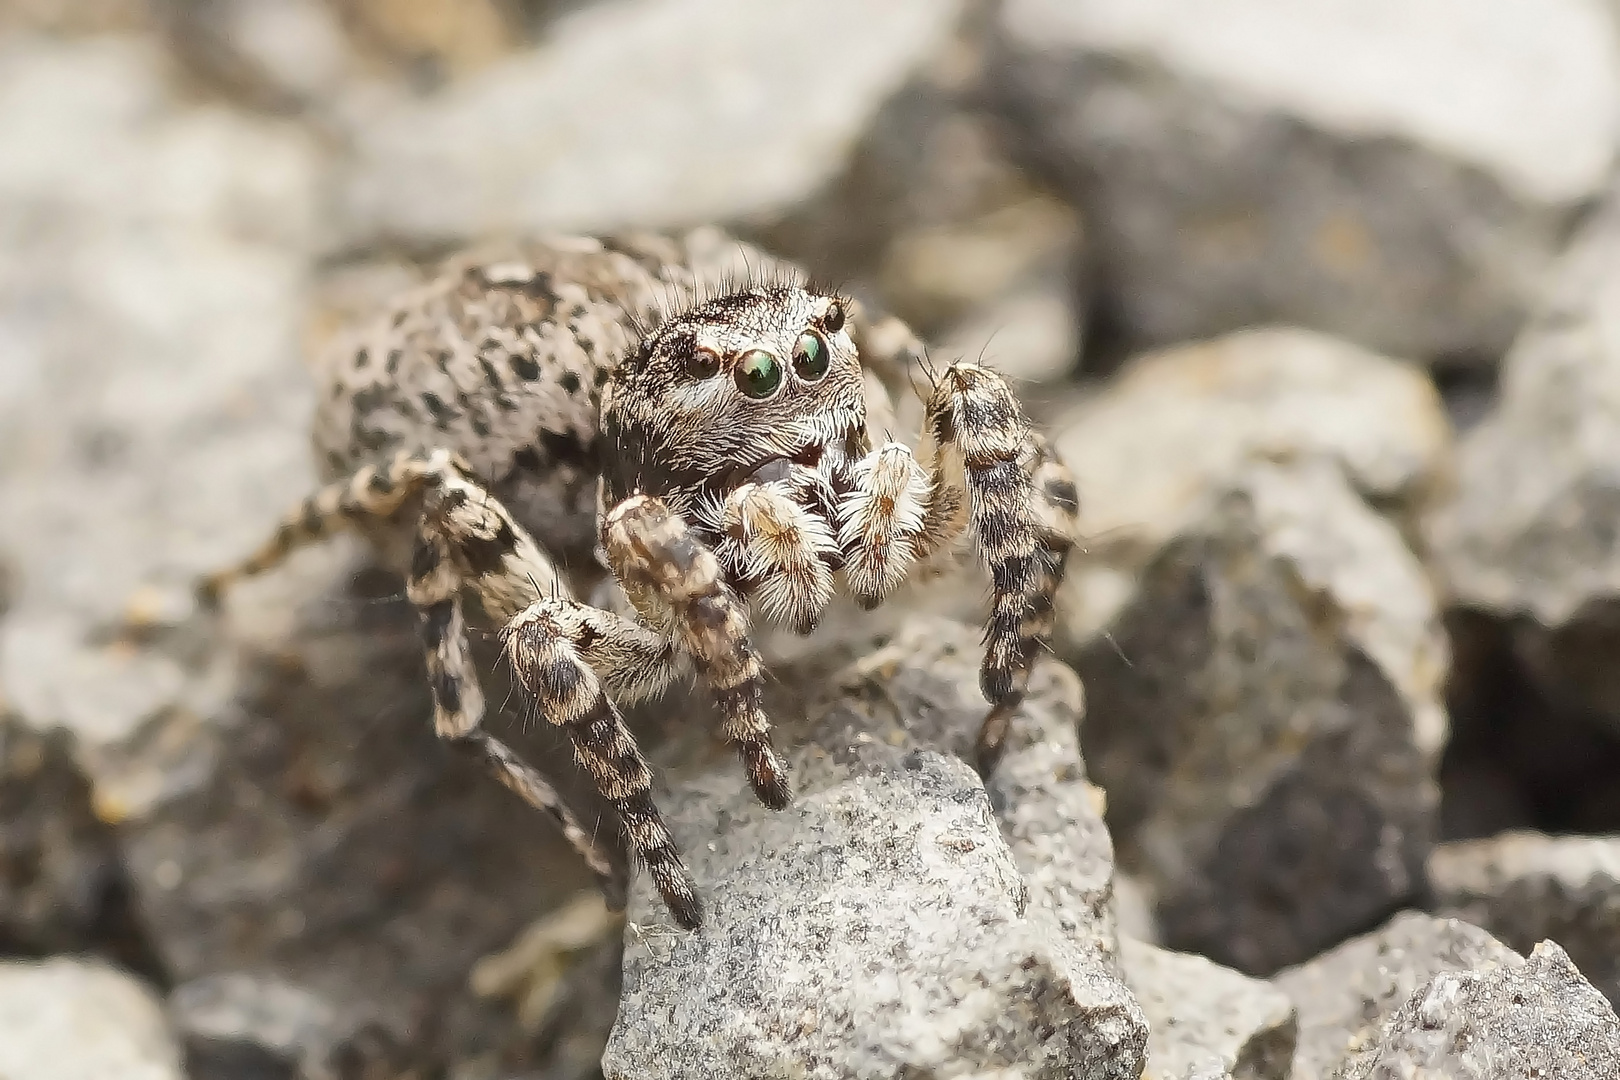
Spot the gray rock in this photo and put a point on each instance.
(81, 1020)
(153, 256)
(1266, 720)
(1176, 426)
(1345, 995)
(1031, 335)
(643, 112)
(889, 922)
(1207, 1022)
(1250, 161)
(1533, 1018)
(60, 879)
(1528, 537)
(1525, 887)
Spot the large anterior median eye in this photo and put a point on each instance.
(810, 356)
(758, 373)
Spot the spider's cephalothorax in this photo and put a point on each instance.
(733, 471)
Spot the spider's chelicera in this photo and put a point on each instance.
(735, 473)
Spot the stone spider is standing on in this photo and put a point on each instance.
(714, 411)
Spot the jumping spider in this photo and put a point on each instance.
(714, 409)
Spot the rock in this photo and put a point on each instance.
(1030, 336)
(153, 421)
(644, 112)
(1345, 995)
(1528, 537)
(888, 921)
(1257, 160)
(61, 885)
(1525, 887)
(1266, 721)
(1208, 1022)
(1535, 1018)
(1175, 426)
(81, 1020)
(316, 870)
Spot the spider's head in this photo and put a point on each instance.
(754, 377)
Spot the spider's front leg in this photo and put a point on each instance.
(986, 471)
(664, 567)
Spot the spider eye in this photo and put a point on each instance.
(702, 364)
(758, 374)
(833, 320)
(810, 356)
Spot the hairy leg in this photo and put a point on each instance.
(663, 566)
(988, 472)
(555, 647)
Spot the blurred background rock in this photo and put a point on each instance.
(1319, 300)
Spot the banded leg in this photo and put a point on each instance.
(557, 646)
(1020, 504)
(662, 565)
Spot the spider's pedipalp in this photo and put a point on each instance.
(881, 522)
(775, 543)
(659, 561)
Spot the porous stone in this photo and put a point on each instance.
(60, 879)
(1525, 887)
(1266, 720)
(1528, 537)
(1400, 173)
(1207, 1022)
(1175, 426)
(1344, 996)
(1531, 1018)
(641, 112)
(890, 921)
(153, 256)
(81, 1020)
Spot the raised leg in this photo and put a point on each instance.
(986, 471)
(665, 569)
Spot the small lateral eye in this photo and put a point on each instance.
(758, 373)
(810, 356)
(702, 364)
(833, 320)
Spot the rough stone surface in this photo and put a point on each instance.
(1345, 995)
(81, 1020)
(1400, 173)
(1525, 887)
(60, 881)
(152, 421)
(643, 112)
(889, 922)
(1533, 1018)
(1528, 537)
(1207, 1022)
(1266, 721)
(1174, 426)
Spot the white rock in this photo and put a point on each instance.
(646, 112)
(1176, 426)
(153, 257)
(1398, 171)
(77, 1020)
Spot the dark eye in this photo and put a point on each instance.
(833, 321)
(702, 364)
(810, 356)
(758, 373)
